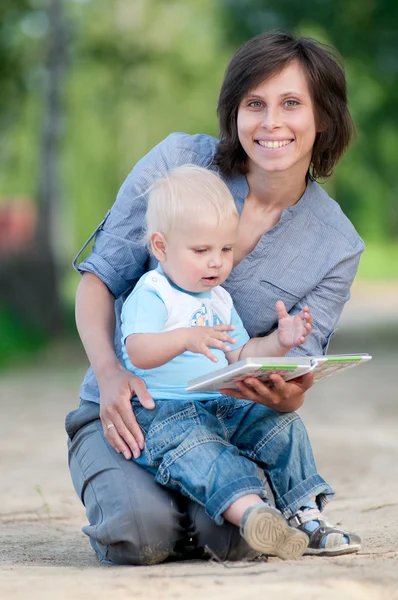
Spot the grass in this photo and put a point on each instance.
(379, 262)
(17, 342)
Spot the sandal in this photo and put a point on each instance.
(325, 539)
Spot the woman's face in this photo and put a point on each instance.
(276, 123)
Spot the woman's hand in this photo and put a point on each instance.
(284, 396)
(120, 426)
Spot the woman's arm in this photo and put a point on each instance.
(95, 321)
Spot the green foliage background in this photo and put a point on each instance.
(140, 69)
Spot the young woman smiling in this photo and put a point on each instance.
(284, 122)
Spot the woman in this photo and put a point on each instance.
(284, 122)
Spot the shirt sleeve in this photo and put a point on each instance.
(118, 256)
(326, 302)
(144, 311)
(240, 333)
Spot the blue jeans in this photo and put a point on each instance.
(211, 452)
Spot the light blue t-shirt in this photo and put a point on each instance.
(156, 305)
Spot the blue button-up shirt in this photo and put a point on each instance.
(309, 257)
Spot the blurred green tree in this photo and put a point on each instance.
(13, 55)
(139, 70)
(33, 265)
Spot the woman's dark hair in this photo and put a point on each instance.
(266, 55)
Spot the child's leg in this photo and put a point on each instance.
(237, 509)
(186, 447)
(279, 442)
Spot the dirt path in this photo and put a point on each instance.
(352, 421)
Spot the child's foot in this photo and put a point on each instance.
(266, 530)
(324, 538)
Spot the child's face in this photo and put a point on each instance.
(199, 256)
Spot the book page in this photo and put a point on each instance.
(329, 365)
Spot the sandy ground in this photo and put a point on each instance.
(352, 421)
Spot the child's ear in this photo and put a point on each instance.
(158, 246)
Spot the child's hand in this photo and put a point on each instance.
(200, 339)
(292, 330)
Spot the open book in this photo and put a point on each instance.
(288, 367)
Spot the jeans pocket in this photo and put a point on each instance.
(87, 458)
(169, 425)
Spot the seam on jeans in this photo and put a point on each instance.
(89, 484)
(184, 448)
(286, 421)
(102, 517)
(250, 455)
(307, 494)
(222, 410)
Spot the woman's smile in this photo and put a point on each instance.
(273, 144)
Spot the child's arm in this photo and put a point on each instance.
(291, 332)
(150, 350)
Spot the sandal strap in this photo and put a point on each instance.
(330, 538)
(326, 536)
(304, 516)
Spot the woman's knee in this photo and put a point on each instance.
(132, 520)
(128, 535)
(130, 547)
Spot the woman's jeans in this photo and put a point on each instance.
(133, 520)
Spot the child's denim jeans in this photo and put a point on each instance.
(210, 451)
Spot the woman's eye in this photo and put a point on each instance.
(227, 249)
(199, 250)
(255, 104)
(291, 103)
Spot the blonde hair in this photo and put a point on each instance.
(188, 192)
